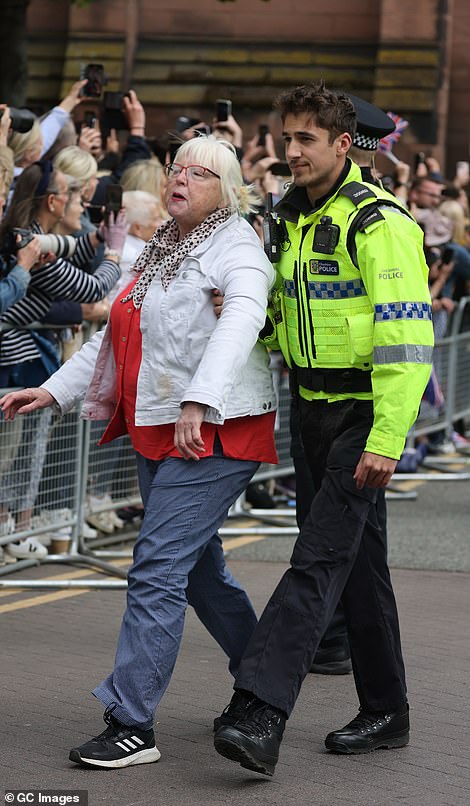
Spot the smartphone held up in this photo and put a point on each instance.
(95, 78)
(112, 201)
(223, 109)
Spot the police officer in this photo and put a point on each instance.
(333, 656)
(352, 315)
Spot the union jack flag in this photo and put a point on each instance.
(386, 143)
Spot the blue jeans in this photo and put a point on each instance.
(178, 559)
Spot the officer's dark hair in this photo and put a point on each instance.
(330, 110)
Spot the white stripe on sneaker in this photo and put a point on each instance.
(142, 757)
(136, 739)
(124, 747)
(130, 744)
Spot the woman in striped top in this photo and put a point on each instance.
(39, 202)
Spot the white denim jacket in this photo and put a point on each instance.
(187, 354)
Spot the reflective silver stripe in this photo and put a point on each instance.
(388, 311)
(336, 290)
(390, 209)
(403, 354)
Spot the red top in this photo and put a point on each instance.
(249, 438)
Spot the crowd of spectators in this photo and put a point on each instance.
(56, 178)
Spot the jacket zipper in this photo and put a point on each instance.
(300, 313)
(301, 290)
(312, 331)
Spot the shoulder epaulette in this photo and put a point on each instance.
(357, 192)
(368, 214)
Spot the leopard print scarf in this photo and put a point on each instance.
(164, 253)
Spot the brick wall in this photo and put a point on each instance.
(189, 53)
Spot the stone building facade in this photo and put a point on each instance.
(180, 55)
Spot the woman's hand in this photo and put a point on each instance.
(115, 231)
(29, 255)
(188, 440)
(95, 311)
(228, 130)
(135, 114)
(73, 96)
(25, 401)
(112, 142)
(90, 140)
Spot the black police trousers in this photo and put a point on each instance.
(336, 635)
(340, 554)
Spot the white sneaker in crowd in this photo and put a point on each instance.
(118, 522)
(107, 520)
(49, 517)
(7, 527)
(5, 557)
(29, 549)
(88, 532)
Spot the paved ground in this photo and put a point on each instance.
(57, 644)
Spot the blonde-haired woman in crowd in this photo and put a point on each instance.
(147, 175)
(28, 147)
(80, 164)
(453, 211)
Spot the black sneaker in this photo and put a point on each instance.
(255, 739)
(372, 731)
(332, 660)
(118, 746)
(235, 710)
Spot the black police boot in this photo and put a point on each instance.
(255, 739)
(371, 731)
(235, 710)
(332, 660)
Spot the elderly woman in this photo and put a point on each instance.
(196, 397)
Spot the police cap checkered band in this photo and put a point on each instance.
(366, 142)
(372, 124)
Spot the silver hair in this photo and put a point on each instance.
(137, 204)
(221, 157)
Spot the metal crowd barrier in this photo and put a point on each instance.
(51, 465)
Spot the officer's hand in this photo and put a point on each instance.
(373, 470)
(217, 299)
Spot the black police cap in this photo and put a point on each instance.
(372, 124)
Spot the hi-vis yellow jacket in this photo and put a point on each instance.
(364, 307)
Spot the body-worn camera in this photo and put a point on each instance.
(326, 236)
